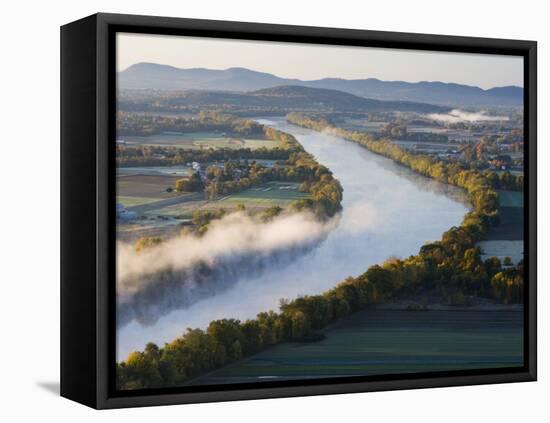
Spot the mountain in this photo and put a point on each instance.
(164, 77)
(507, 92)
(428, 92)
(300, 96)
(280, 98)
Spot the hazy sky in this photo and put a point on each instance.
(308, 61)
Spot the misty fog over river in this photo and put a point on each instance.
(387, 211)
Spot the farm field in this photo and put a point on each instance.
(131, 231)
(510, 199)
(198, 140)
(506, 239)
(375, 342)
(179, 211)
(272, 193)
(364, 125)
(425, 146)
(511, 217)
(179, 170)
(134, 201)
(160, 212)
(135, 190)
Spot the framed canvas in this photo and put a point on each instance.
(256, 211)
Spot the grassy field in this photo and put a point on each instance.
(134, 201)
(388, 341)
(179, 170)
(268, 194)
(198, 140)
(179, 211)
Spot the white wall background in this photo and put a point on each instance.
(29, 234)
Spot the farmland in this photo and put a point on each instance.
(506, 239)
(155, 170)
(510, 199)
(511, 217)
(161, 213)
(272, 193)
(143, 191)
(374, 342)
(198, 140)
(135, 190)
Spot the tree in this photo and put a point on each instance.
(226, 332)
(191, 184)
(147, 242)
(236, 350)
(271, 212)
(299, 325)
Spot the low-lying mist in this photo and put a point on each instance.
(181, 271)
(456, 116)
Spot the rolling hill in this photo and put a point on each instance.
(280, 98)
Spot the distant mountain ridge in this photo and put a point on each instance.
(165, 77)
(280, 98)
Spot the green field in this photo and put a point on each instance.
(134, 201)
(198, 140)
(378, 342)
(510, 198)
(268, 194)
(179, 211)
(510, 227)
(506, 239)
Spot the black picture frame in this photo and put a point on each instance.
(88, 208)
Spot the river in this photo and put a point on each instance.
(387, 211)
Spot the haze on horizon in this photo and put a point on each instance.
(311, 62)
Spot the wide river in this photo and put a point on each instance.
(387, 211)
